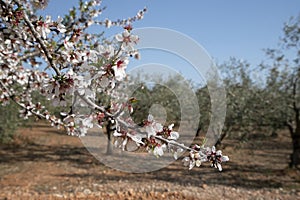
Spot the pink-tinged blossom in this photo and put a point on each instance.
(119, 68)
(60, 27)
(43, 27)
(137, 138)
(78, 125)
(4, 97)
(173, 135)
(128, 41)
(25, 113)
(140, 14)
(152, 127)
(58, 87)
(189, 162)
(216, 157)
(158, 151)
(68, 44)
(106, 51)
(150, 131)
(175, 150)
(195, 158)
(22, 77)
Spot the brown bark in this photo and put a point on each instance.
(109, 130)
(295, 156)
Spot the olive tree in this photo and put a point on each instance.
(283, 85)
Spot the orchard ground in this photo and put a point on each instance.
(44, 163)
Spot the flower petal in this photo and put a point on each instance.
(224, 158)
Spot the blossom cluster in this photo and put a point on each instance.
(200, 154)
(71, 67)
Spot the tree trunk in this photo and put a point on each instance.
(219, 142)
(109, 130)
(295, 156)
(198, 131)
(223, 135)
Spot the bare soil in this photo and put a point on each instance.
(44, 163)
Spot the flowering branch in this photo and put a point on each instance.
(92, 105)
(28, 110)
(38, 38)
(86, 69)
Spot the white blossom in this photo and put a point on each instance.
(158, 151)
(60, 27)
(173, 135)
(128, 41)
(119, 69)
(43, 27)
(136, 138)
(106, 51)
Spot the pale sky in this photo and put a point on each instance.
(224, 28)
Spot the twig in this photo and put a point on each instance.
(92, 104)
(11, 96)
(39, 40)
